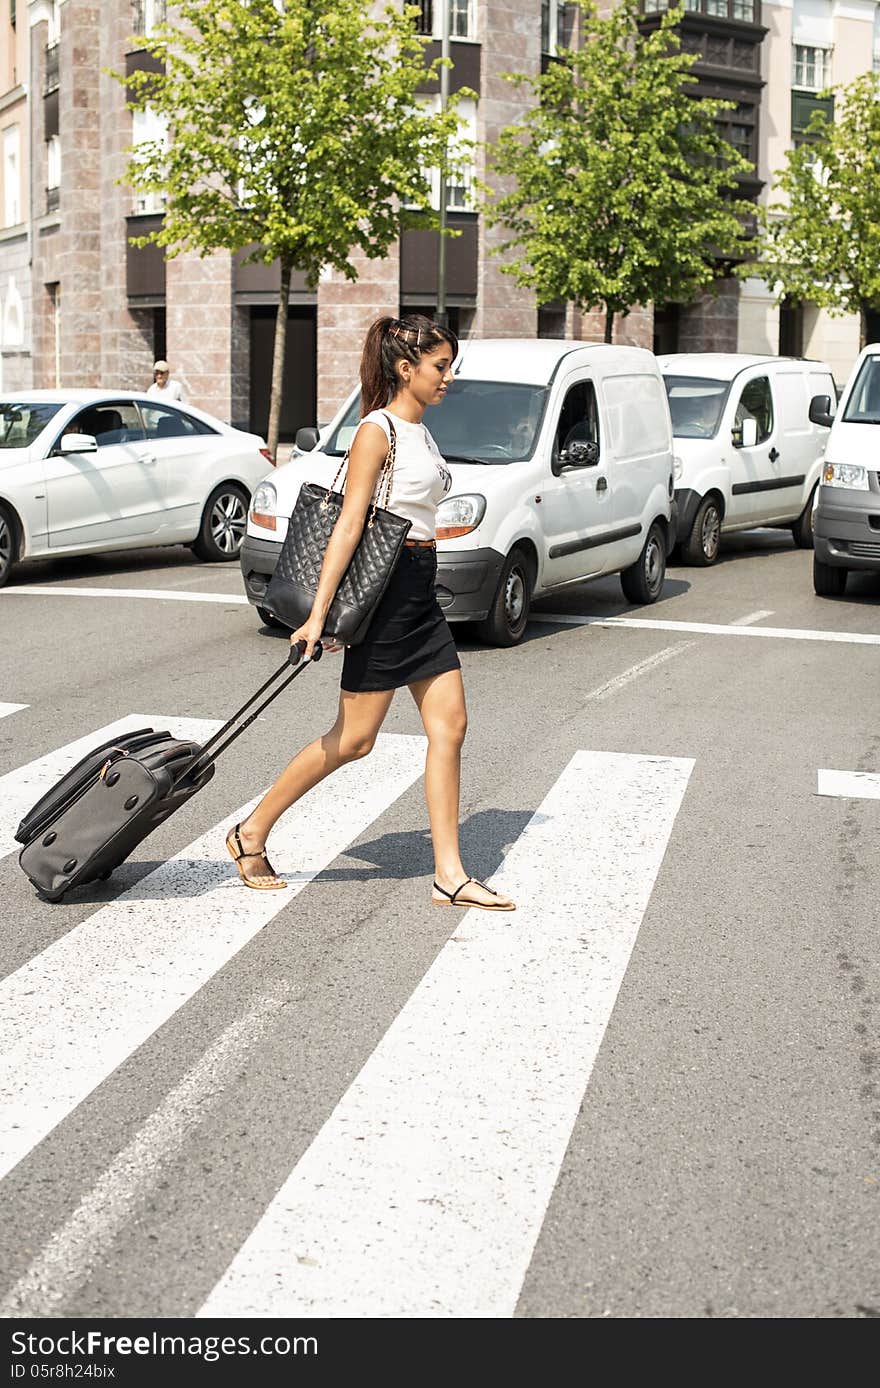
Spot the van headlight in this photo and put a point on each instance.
(264, 504)
(459, 515)
(851, 475)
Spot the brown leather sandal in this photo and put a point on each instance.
(453, 897)
(262, 882)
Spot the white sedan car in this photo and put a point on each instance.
(88, 470)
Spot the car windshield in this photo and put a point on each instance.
(479, 422)
(21, 421)
(695, 403)
(863, 405)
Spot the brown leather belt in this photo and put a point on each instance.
(420, 544)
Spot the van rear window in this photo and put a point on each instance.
(695, 403)
(863, 405)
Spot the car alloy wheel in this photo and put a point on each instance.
(229, 523)
(7, 546)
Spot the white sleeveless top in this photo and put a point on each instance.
(421, 477)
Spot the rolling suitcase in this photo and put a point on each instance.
(90, 821)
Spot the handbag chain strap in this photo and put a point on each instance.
(386, 477)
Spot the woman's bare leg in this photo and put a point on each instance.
(440, 701)
(352, 736)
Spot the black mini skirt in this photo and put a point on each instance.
(409, 638)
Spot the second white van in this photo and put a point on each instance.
(747, 451)
(561, 461)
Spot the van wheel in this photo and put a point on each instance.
(828, 581)
(512, 603)
(802, 530)
(224, 523)
(702, 544)
(8, 544)
(642, 582)
(269, 619)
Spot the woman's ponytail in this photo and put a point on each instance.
(375, 386)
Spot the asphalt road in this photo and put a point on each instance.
(651, 1092)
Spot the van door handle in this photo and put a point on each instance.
(149, 458)
(773, 454)
(601, 484)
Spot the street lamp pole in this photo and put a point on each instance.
(442, 316)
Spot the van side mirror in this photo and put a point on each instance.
(78, 443)
(578, 454)
(745, 435)
(306, 439)
(820, 411)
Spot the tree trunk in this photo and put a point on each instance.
(278, 355)
(609, 323)
(863, 326)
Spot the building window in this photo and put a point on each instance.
(462, 19)
(812, 68)
(11, 177)
(459, 183)
(876, 63)
(53, 173)
(743, 10)
(147, 127)
(147, 15)
(557, 26)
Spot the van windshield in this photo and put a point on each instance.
(22, 421)
(863, 405)
(479, 422)
(695, 403)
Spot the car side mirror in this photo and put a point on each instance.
(78, 443)
(306, 439)
(820, 411)
(745, 435)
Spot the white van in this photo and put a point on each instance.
(561, 460)
(846, 521)
(748, 450)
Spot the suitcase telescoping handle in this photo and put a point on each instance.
(252, 708)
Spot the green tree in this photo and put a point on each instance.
(295, 128)
(622, 188)
(821, 241)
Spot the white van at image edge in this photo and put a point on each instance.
(561, 461)
(846, 519)
(749, 437)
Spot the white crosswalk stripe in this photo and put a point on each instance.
(424, 1192)
(82, 1006)
(6, 709)
(21, 789)
(852, 785)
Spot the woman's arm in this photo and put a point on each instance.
(364, 465)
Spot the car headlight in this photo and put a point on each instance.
(459, 515)
(851, 475)
(264, 504)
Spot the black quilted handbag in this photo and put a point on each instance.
(293, 585)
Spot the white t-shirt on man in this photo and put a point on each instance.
(172, 390)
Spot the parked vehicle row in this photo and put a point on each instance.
(87, 470)
(562, 464)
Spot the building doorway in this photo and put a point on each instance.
(299, 407)
(666, 327)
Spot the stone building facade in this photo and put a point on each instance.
(79, 305)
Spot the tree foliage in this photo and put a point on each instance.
(820, 241)
(294, 131)
(622, 188)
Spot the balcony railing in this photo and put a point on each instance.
(50, 83)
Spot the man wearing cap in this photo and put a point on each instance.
(164, 387)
